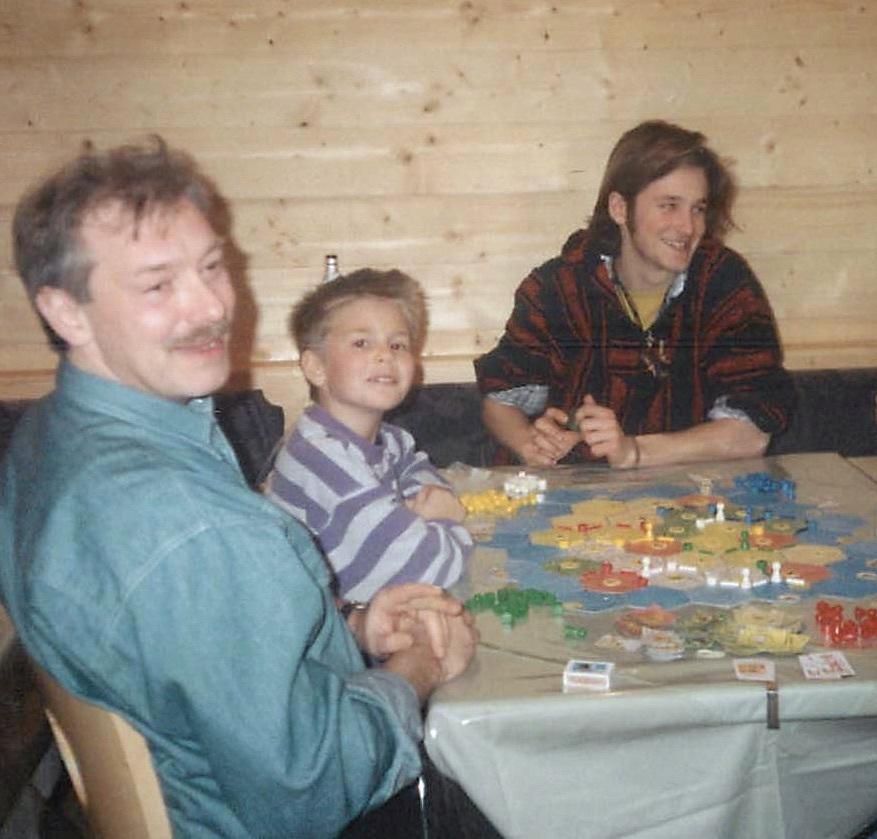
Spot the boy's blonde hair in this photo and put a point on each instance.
(311, 316)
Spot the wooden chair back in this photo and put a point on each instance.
(109, 765)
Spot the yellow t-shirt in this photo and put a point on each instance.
(648, 304)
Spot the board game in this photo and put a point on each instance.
(758, 545)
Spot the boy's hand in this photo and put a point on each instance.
(435, 502)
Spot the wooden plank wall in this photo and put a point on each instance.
(460, 141)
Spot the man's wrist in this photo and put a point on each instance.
(353, 612)
(421, 669)
(348, 607)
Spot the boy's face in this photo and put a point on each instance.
(366, 364)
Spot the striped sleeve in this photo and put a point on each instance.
(369, 536)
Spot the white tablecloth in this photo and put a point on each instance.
(675, 749)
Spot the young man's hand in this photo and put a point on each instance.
(601, 431)
(550, 440)
(539, 443)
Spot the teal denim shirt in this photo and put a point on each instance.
(142, 572)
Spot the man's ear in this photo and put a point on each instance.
(64, 314)
(313, 369)
(617, 206)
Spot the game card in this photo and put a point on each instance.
(592, 675)
(755, 670)
(827, 665)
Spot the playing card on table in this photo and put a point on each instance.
(755, 669)
(827, 665)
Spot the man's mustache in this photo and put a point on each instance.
(202, 335)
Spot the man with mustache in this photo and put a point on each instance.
(139, 568)
(647, 341)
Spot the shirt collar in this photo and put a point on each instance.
(372, 452)
(193, 419)
(675, 289)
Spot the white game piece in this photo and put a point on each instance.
(720, 511)
(523, 484)
(775, 575)
(745, 578)
(645, 571)
(672, 565)
(711, 579)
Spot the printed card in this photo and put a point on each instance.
(755, 669)
(827, 665)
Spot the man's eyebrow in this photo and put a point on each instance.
(217, 244)
(153, 268)
(672, 196)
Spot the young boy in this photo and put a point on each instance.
(378, 508)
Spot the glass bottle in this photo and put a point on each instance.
(331, 271)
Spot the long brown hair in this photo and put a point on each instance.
(648, 152)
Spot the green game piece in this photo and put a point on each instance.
(510, 604)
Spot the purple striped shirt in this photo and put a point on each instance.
(350, 493)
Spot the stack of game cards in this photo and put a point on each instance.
(587, 675)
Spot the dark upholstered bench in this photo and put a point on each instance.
(836, 413)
